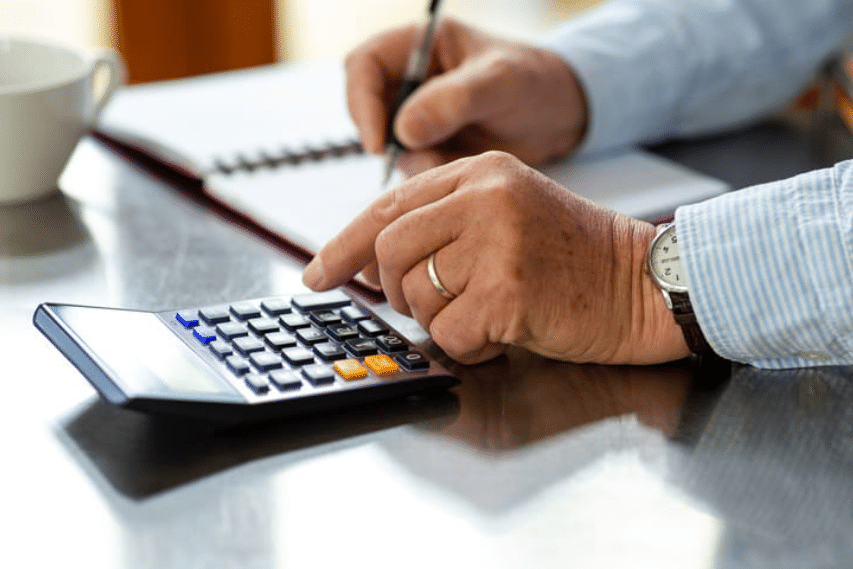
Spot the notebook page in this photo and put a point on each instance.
(306, 204)
(190, 123)
(635, 182)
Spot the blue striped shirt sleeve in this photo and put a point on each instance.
(653, 69)
(770, 270)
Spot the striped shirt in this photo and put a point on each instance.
(769, 268)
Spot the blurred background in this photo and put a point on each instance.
(163, 39)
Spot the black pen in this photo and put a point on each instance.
(416, 71)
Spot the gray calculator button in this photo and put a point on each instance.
(276, 306)
(245, 310)
(311, 335)
(265, 361)
(298, 356)
(280, 340)
(257, 383)
(294, 321)
(320, 300)
(319, 374)
(214, 315)
(372, 328)
(392, 343)
(231, 330)
(323, 318)
(354, 314)
(263, 325)
(237, 365)
(248, 345)
(329, 351)
(220, 349)
(285, 380)
(341, 332)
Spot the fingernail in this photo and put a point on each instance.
(314, 274)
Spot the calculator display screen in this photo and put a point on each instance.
(142, 357)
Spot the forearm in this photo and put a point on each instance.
(769, 270)
(654, 69)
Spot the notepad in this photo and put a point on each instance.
(275, 144)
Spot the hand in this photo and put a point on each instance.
(483, 93)
(531, 264)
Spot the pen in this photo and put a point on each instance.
(416, 71)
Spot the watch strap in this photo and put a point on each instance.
(682, 310)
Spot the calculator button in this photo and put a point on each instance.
(298, 356)
(361, 347)
(263, 325)
(257, 383)
(318, 374)
(341, 332)
(320, 300)
(329, 351)
(231, 330)
(188, 319)
(204, 335)
(372, 328)
(248, 345)
(220, 349)
(265, 361)
(392, 343)
(245, 310)
(276, 306)
(324, 318)
(350, 369)
(237, 364)
(413, 360)
(354, 314)
(381, 364)
(311, 335)
(279, 340)
(214, 315)
(294, 321)
(285, 380)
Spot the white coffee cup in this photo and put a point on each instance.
(47, 103)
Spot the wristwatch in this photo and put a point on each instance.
(664, 265)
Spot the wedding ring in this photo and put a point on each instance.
(436, 282)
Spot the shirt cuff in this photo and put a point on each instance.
(769, 270)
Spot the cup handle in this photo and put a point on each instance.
(116, 76)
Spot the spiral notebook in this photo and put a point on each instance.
(275, 144)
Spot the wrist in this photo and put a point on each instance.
(656, 336)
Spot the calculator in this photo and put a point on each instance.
(251, 359)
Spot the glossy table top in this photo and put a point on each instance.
(529, 463)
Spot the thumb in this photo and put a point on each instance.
(445, 104)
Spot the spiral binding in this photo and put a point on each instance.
(289, 157)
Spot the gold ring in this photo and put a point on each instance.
(436, 282)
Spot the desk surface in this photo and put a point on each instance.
(530, 463)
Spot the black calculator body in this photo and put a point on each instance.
(247, 360)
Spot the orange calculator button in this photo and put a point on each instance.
(381, 364)
(350, 369)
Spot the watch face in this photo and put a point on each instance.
(664, 261)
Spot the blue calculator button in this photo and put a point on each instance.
(204, 336)
(187, 319)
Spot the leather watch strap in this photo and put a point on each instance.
(682, 310)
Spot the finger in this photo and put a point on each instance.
(372, 72)
(370, 274)
(423, 299)
(410, 241)
(446, 103)
(354, 247)
(462, 328)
